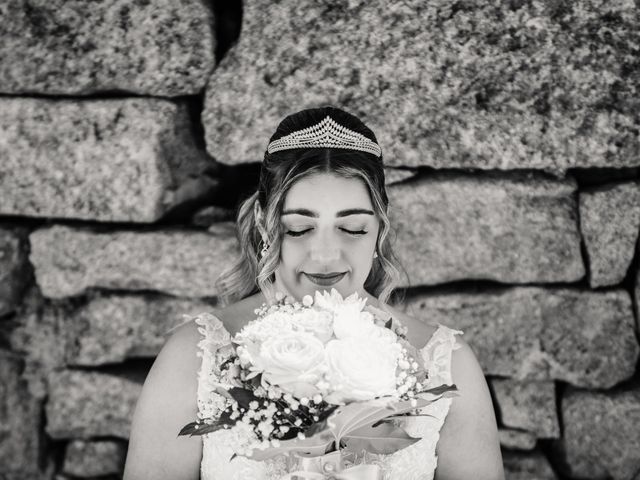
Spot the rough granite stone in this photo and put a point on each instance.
(515, 228)
(68, 261)
(527, 405)
(516, 439)
(20, 439)
(14, 267)
(111, 328)
(609, 220)
(530, 333)
(107, 160)
(86, 404)
(94, 458)
(446, 84)
(42, 332)
(600, 435)
(73, 47)
(527, 466)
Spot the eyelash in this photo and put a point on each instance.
(355, 233)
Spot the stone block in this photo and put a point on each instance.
(112, 328)
(609, 221)
(527, 405)
(527, 466)
(149, 47)
(94, 458)
(600, 436)
(530, 333)
(113, 160)
(68, 261)
(85, 404)
(517, 228)
(513, 439)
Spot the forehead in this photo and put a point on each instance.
(326, 192)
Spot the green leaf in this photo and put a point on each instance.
(441, 389)
(383, 439)
(203, 428)
(195, 428)
(243, 396)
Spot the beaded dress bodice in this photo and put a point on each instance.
(416, 462)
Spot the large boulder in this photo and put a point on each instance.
(445, 84)
(72, 47)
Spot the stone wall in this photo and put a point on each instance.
(129, 131)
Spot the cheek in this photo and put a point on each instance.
(291, 253)
(361, 253)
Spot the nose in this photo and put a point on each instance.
(325, 249)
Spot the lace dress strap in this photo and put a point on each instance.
(214, 345)
(437, 354)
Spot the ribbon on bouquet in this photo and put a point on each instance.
(331, 467)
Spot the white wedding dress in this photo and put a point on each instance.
(416, 462)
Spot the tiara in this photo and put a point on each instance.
(326, 134)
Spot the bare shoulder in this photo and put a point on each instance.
(169, 393)
(470, 429)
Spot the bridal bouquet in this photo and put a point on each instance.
(319, 377)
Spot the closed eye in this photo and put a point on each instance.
(354, 232)
(294, 233)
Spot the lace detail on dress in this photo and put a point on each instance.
(416, 462)
(419, 461)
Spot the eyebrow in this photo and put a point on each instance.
(342, 213)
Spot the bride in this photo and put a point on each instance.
(318, 221)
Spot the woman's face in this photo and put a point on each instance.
(329, 227)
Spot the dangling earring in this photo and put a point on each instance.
(265, 248)
(375, 254)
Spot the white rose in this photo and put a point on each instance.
(319, 323)
(271, 325)
(294, 361)
(349, 322)
(361, 368)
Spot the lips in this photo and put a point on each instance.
(325, 279)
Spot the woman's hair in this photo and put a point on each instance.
(279, 171)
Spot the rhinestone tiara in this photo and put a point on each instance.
(326, 134)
